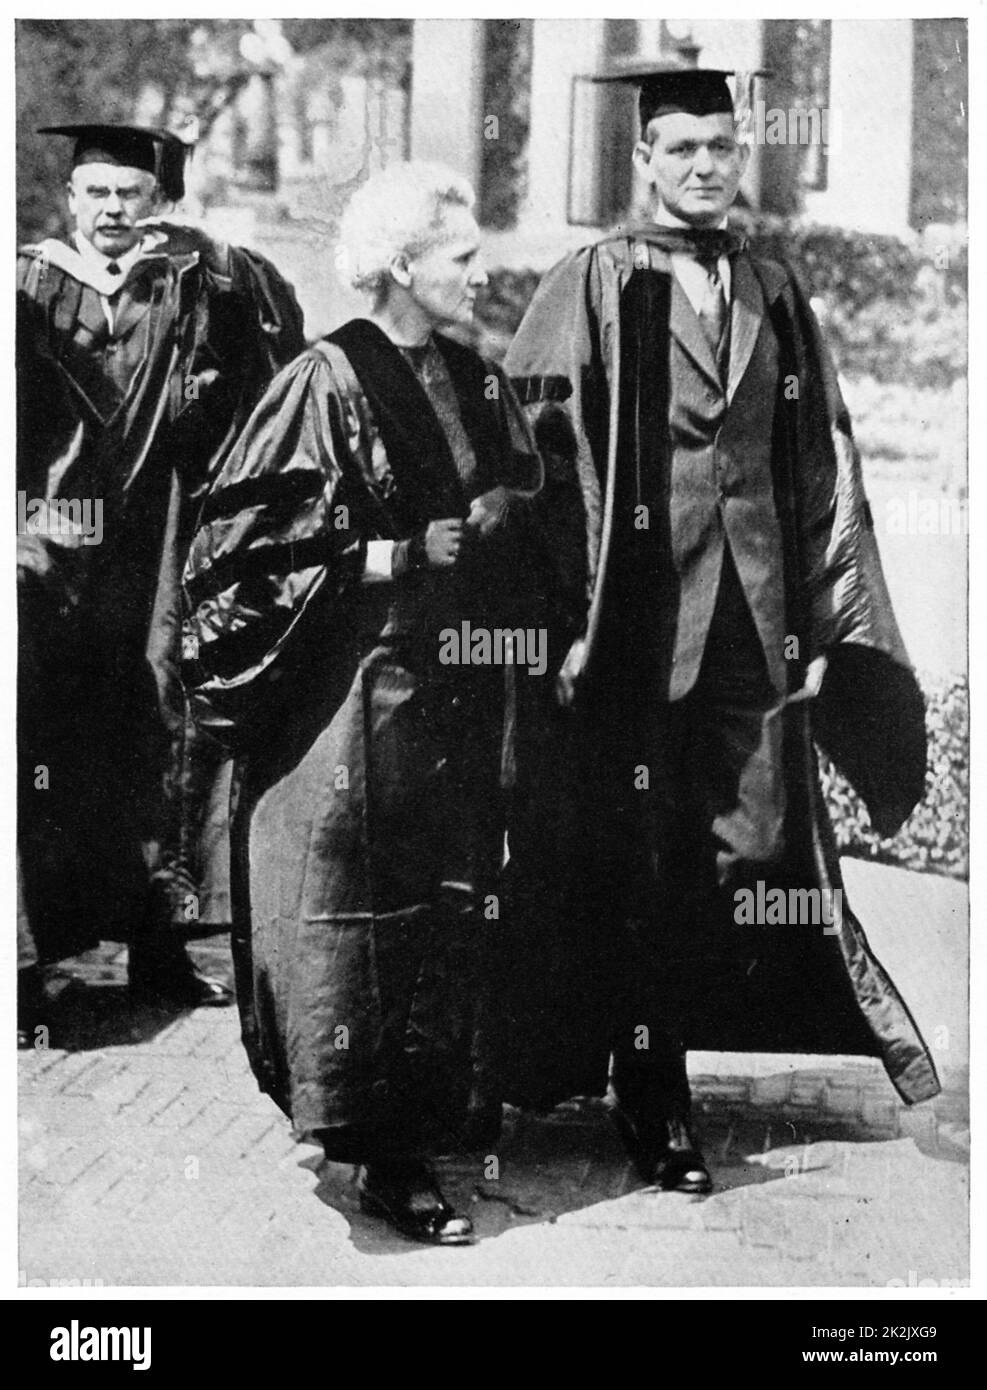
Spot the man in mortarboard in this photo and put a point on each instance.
(142, 347)
(671, 858)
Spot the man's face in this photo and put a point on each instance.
(445, 279)
(107, 201)
(694, 164)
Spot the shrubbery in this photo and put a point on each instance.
(501, 309)
(935, 838)
(858, 269)
(894, 312)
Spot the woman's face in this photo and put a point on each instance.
(445, 280)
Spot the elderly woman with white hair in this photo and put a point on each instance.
(377, 501)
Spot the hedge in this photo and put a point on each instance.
(935, 838)
(896, 312)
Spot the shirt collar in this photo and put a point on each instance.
(666, 219)
(99, 262)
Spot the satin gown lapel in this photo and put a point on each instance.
(132, 304)
(80, 327)
(103, 392)
(746, 317)
(414, 441)
(90, 312)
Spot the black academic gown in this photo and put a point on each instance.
(591, 360)
(115, 793)
(371, 777)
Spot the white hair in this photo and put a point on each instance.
(398, 211)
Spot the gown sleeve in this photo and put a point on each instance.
(870, 714)
(556, 371)
(274, 550)
(274, 308)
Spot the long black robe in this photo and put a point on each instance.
(575, 365)
(120, 826)
(370, 785)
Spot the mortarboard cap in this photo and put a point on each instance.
(669, 87)
(157, 151)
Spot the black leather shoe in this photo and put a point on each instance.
(664, 1153)
(680, 1167)
(170, 979)
(408, 1198)
(32, 1007)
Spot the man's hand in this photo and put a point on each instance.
(814, 676)
(443, 542)
(181, 238)
(488, 510)
(572, 668)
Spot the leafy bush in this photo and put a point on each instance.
(935, 838)
(501, 308)
(855, 268)
(894, 312)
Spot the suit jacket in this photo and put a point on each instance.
(703, 445)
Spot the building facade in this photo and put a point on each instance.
(852, 110)
(860, 125)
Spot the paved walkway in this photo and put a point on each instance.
(149, 1158)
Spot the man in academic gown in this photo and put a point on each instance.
(141, 348)
(733, 613)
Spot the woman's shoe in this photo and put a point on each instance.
(408, 1198)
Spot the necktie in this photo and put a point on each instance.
(706, 245)
(113, 268)
(713, 308)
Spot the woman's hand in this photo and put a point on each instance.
(442, 543)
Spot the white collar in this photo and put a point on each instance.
(663, 218)
(97, 262)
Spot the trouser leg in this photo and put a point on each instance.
(658, 880)
(648, 1077)
(711, 820)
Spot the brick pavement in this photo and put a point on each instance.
(148, 1157)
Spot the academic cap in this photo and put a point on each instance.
(157, 151)
(666, 88)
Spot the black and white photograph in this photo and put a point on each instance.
(492, 717)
